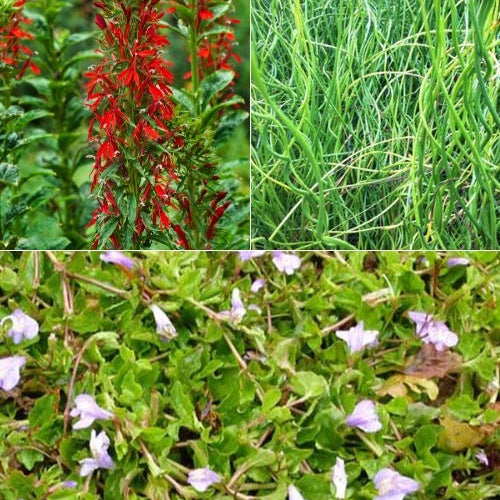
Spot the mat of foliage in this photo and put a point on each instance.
(262, 401)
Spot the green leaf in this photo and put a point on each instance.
(43, 411)
(29, 458)
(30, 116)
(9, 174)
(182, 98)
(463, 407)
(215, 83)
(229, 122)
(309, 385)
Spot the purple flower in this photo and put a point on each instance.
(294, 493)
(99, 445)
(432, 331)
(357, 338)
(364, 417)
(339, 478)
(164, 326)
(457, 261)
(10, 371)
(87, 409)
(250, 254)
(286, 262)
(257, 285)
(238, 310)
(392, 485)
(22, 326)
(202, 479)
(482, 458)
(255, 307)
(117, 257)
(69, 484)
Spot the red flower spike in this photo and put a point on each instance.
(132, 70)
(100, 22)
(12, 51)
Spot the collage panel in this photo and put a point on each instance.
(375, 124)
(215, 375)
(124, 124)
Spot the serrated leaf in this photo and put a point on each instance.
(215, 83)
(229, 122)
(9, 174)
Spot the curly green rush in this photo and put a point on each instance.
(375, 124)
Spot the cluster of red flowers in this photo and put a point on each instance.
(130, 96)
(137, 176)
(219, 53)
(12, 51)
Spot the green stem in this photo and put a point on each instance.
(195, 77)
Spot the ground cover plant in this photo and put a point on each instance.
(375, 124)
(107, 141)
(183, 375)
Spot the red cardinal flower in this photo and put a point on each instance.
(129, 93)
(13, 52)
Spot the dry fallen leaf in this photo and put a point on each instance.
(397, 386)
(457, 436)
(429, 362)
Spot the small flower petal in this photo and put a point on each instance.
(88, 411)
(99, 444)
(357, 338)
(286, 262)
(294, 493)
(393, 486)
(457, 261)
(257, 285)
(23, 326)
(432, 331)
(339, 478)
(250, 254)
(164, 326)
(117, 257)
(202, 479)
(482, 458)
(10, 371)
(364, 417)
(238, 310)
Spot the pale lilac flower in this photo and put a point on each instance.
(482, 458)
(286, 262)
(339, 478)
(238, 310)
(202, 479)
(22, 326)
(164, 327)
(10, 371)
(69, 484)
(457, 261)
(294, 493)
(393, 486)
(99, 445)
(88, 410)
(117, 257)
(255, 307)
(250, 254)
(257, 285)
(357, 338)
(432, 331)
(364, 417)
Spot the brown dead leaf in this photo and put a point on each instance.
(429, 362)
(397, 386)
(457, 436)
